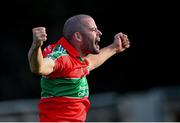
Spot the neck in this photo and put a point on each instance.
(77, 47)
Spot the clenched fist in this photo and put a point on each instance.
(39, 35)
(121, 42)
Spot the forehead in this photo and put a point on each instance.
(89, 22)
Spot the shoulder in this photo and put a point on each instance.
(54, 51)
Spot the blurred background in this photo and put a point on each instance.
(140, 84)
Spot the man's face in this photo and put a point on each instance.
(90, 36)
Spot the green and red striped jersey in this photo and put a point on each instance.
(69, 75)
(65, 91)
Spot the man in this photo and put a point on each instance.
(65, 64)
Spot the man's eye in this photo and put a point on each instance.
(93, 29)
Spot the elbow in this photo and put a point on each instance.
(36, 71)
(40, 71)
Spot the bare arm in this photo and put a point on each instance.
(120, 43)
(38, 64)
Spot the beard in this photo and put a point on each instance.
(91, 45)
(91, 49)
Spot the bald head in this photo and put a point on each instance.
(74, 24)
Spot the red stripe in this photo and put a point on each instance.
(69, 67)
(61, 109)
(70, 49)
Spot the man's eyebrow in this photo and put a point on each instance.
(93, 28)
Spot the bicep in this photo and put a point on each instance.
(48, 66)
(90, 61)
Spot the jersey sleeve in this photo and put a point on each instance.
(52, 53)
(49, 49)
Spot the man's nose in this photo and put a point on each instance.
(99, 32)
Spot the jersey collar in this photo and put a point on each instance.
(70, 49)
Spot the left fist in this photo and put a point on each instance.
(121, 42)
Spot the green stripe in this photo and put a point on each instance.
(56, 53)
(77, 87)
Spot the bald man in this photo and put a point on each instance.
(65, 64)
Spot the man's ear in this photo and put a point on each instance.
(77, 36)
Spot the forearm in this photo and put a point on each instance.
(98, 59)
(35, 58)
(37, 63)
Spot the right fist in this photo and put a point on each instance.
(39, 35)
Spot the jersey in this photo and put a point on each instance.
(66, 86)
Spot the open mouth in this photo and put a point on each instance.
(97, 43)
